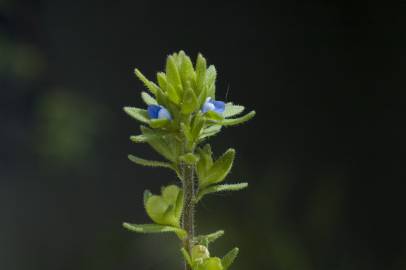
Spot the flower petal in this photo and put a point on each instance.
(153, 111)
(219, 106)
(164, 114)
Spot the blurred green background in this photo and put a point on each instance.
(324, 156)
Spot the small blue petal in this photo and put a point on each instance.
(219, 106)
(164, 114)
(208, 106)
(213, 105)
(153, 111)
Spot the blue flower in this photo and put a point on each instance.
(158, 112)
(213, 105)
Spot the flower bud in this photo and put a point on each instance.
(199, 252)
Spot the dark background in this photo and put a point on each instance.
(324, 156)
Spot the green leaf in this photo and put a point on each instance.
(231, 110)
(150, 85)
(179, 204)
(212, 263)
(220, 188)
(199, 253)
(197, 126)
(139, 138)
(162, 98)
(219, 170)
(186, 132)
(210, 81)
(212, 115)
(209, 238)
(163, 209)
(149, 163)
(210, 131)
(186, 256)
(164, 144)
(189, 102)
(138, 114)
(202, 97)
(189, 158)
(148, 99)
(236, 121)
(158, 123)
(147, 195)
(162, 82)
(205, 161)
(154, 228)
(229, 258)
(187, 72)
(172, 74)
(172, 94)
(200, 72)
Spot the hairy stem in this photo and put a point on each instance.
(189, 207)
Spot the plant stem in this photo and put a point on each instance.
(189, 207)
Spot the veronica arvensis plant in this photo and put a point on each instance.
(181, 114)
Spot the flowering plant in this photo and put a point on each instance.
(181, 114)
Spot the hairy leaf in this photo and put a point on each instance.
(209, 238)
(200, 73)
(219, 170)
(148, 99)
(187, 72)
(210, 80)
(137, 113)
(150, 85)
(210, 131)
(229, 258)
(158, 123)
(189, 158)
(231, 110)
(149, 163)
(189, 102)
(236, 121)
(139, 138)
(154, 228)
(220, 188)
(186, 256)
(172, 74)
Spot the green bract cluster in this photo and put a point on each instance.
(181, 114)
